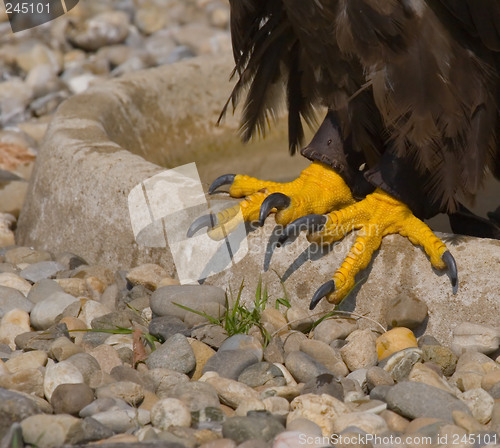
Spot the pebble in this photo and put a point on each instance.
(231, 392)
(12, 324)
(60, 373)
(275, 351)
(230, 363)
(131, 393)
(367, 422)
(29, 255)
(44, 312)
(197, 297)
(166, 326)
(377, 376)
(360, 350)
(41, 270)
(324, 384)
(44, 288)
(480, 404)
(254, 427)
(262, 374)
(303, 367)
(412, 399)
(170, 412)
(49, 430)
(406, 310)
(195, 395)
(395, 340)
(106, 356)
(71, 398)
(475, 337)
(27, 360)
(11, 299)
(148, 275)
(400, 363)
(174, 354)
(326, 355)
(320, 409)
(86, 365)
(440, 355)
(14, 281)
(422, 373)
(122, 420)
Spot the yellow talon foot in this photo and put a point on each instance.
(377, 215)
(318, 189)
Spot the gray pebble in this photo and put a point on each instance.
(376, 376)
(86, 364)
(303, 367)
(412, 399)
(275, 352)
(241, 429)
(131, 393)
(43, 269)
(194, 394)
(164, 327)
(11, 299)
(43, 289)
(102, 405)
(71, 398)
(14, 407)
(325, 383)
(262, 373)
(174, 354)
(230, 363)
(44, 313)
(122, 420)
(212, 335)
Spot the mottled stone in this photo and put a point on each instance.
(170, 412)
(406, 311)
(262, 373)
(241, 429)
(127, 391)
(360, 351)
(71, 398)
(148, 275)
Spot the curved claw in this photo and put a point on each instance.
(451, 265)
(322, 291)
(203, 221)
(275, 200)
(311, 223)
(225, 179)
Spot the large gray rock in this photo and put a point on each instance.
(106, 141)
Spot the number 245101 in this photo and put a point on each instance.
(27, 8)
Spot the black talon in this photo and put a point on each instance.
(451, 265)
(203, 221)
(225, 179)
(275, 200)
(311, 223)
(323, 290)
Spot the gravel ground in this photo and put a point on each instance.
(153, 374)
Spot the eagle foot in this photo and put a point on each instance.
(318, 190)
(376, 216)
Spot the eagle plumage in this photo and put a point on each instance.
(412, 83)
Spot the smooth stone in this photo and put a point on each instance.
(395, 340)
(60, 373)
(275, 352)
(164, 379)
(475, 337)
(148, 275)
(47, 431)
(105, 275)
(26, 255)
(406, 311)
(122, 420)
(29, 381)
(262, 374)
(91, 309)
(400, 363)
(230, 363)
(41, 270)
(377, 376)
(360, 351)
(212, 335)
(70, 260)
(276, 319)
(325, 383)
(164, 327)
(11, 299)
(102, 405)
(89, 430)
(320, 409)
(394, 421)
(480, 404)
(125, 373)
(41, 340)
(112, 320)
(241, 429)
(131, 393)
(422, 373)
(367, 422)
(303, 425)
(62, 348)
(106, 28)
(332, 329)
(44, 313)
(106, 356)
(465, 421)
(27, 360)
(71, 398)
(191, 296)
(9, 280)
(169, 412)
(490, 379)
(276, 405)
(12, 324)
(73, 286)
(195, 395)
(14, 407)
(300, 318)
(202, 353)
(86, 364)
(352, 389)
(43, 289)
(243, 342)
(326, 355)
(411, 399)
(174, 354)
(440, 355)
(231, 393)
(303, 367)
